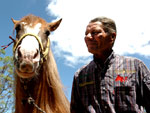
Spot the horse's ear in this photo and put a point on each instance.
(14, 21)
(54, 25)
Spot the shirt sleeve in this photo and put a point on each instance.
(145, 86)
(76, 105)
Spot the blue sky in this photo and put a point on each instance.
(68, 45)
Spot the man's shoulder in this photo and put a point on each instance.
(85, 68)
(129, 58)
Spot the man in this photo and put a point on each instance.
(109, 83)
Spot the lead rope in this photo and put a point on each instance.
(13, 41)
(32, 102)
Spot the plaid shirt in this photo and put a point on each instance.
(121, 85)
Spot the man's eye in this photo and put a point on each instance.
(95, 33)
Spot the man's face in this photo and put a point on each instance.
(97, 40)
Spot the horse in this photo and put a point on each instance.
(38, 88)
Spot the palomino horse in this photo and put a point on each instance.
(38, 86)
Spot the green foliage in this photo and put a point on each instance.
(6, 83)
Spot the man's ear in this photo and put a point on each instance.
(113, 35)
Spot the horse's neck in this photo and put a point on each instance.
(23, 92)
(31, 88)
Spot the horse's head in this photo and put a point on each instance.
(32, 44)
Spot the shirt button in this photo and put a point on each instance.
(105, 107)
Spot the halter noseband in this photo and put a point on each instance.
(44, 52)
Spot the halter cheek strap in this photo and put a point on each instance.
(44, 52)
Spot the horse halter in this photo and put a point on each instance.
(44, 52)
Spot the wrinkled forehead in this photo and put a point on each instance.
(93, 25)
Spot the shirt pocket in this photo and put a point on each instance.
(125, 99)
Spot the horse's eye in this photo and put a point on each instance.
(47, 32)
(18, 28)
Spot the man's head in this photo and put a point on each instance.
(108, 24)
(100, 35)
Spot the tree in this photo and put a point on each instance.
(6, 83)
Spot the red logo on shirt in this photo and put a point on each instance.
(120, 78)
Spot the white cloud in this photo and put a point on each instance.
(131, 17)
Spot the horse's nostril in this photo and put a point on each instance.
(19, 53)
(36, 54)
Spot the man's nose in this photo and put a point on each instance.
(88, 36)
